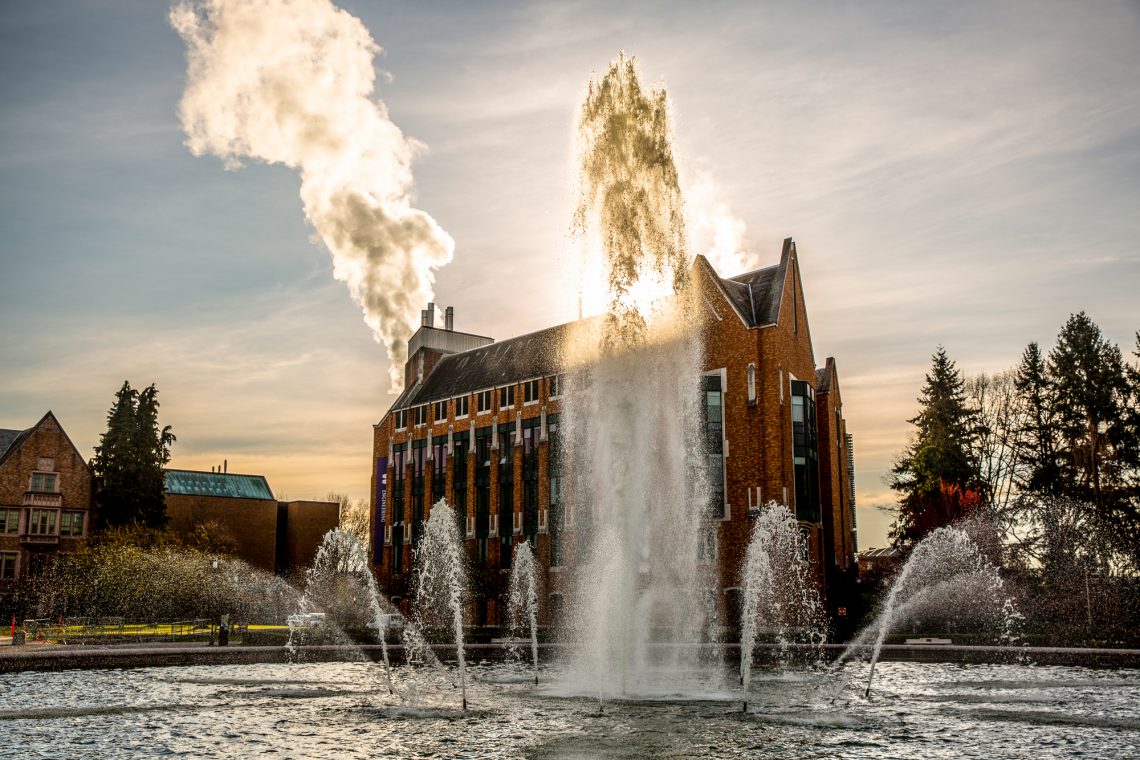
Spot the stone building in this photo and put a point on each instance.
(45, 500)
(478, 424)
(274, 536)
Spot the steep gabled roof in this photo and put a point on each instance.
(758, 294)
(9, 443)
(10, 439)
(755, 295)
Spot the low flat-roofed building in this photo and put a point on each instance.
(275, 536)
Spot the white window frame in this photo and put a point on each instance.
(466, 400)
(490, 396)
(536, 383)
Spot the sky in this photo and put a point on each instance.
(964, 174)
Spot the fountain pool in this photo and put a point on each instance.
(334, 710)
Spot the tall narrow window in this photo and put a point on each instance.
(554, 478)
(506, 492)
(419, 460)
(438, 468)
(461, 406)
(483, 399)
(483, 482)
(399, 471)
(401, 419)
(8, 565)
(556, 385)
(461, 444)
(713, 409)
(506, 397)
(805, 452)
(530, 433)
(440, 411)
(751, 383)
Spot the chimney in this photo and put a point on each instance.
(449, 318)
(225, 465)
(423, 317)
(430, 315)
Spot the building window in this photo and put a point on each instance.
(8, 565)
(805, 451)
(438, 467)
(41, 522)
(506, 492)
(397, 549)
(707, 546)
(9, 521)
(399, 470)
(751, 383)
(461, 443)
(530, 392)
(461, 406)
(71, 524)
(440, 410)
(419, 415)
(483, 482)
(506, 397)
(483, 402)
(44, 482)
(713, 412)
(419, 460)
(402, 419)
(554, 478)
(556, 385)
(530, 438)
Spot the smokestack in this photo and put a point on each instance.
(431, 315)
(449, 318)
(225, 465)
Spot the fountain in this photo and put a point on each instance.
(441, 580)
(948, 573)
(342, 555)
(779, 590)
(632, 408)
(523, 598)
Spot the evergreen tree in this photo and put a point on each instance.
(1091, 392)
(1037, 437)
(937, 475)
(129, 461)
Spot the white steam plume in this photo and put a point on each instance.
(291, 82)
(712, 222)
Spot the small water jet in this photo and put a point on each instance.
(523, 598)
(779, 591)
(342, 556)
(947, 572)
(441, 579)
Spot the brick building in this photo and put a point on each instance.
(274, 536)
(478, 424)
(45, 499)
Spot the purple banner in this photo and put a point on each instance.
(381, 506)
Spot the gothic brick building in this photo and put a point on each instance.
(45, 500)
(478, 424)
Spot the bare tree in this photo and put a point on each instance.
(1001, 415)
(353, 516)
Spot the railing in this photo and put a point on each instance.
(109, 629)
(42, 499)
(39, 539)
